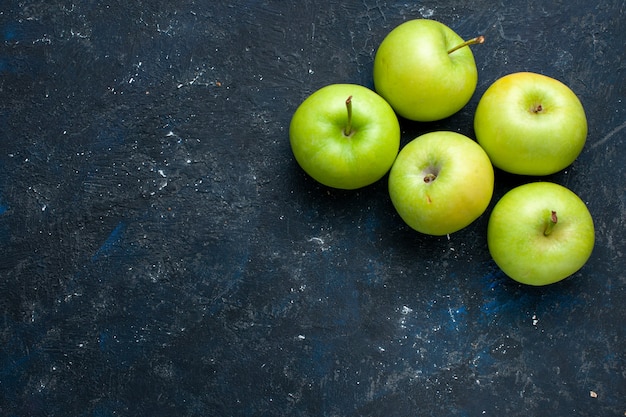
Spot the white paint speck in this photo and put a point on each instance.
(426, 12)
(535, 320)
(405, 310)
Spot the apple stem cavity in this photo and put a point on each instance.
(551, 223)
(475, 41)
(430, 177)
(347, 131)
(536, 108)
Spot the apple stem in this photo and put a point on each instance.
(474, 41)
(551, 223)
(348, 129)
(430, 177)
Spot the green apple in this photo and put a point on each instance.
(441, 182)
(424, 70)
(345, 136)
(530, 124)
(540, 233)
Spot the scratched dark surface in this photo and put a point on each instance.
(162, 254)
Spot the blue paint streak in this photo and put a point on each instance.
(5, 230)
(9, 35)
(111, 241)
(103, 340)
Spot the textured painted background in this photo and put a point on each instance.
(162, 254)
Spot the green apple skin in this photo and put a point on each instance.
(517, 240)
(415, 74)
(441, 182)
(323, 150)
(530, 124)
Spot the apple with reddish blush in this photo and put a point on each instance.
(530, 124)
(441, 182)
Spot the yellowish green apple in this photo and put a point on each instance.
(441, 182)
(540, 233)
(425, 70)
(530, 124)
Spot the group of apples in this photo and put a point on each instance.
(347, 136)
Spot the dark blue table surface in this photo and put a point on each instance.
(162, 254)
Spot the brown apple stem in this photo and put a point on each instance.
(551, 223)
(348, 129)
(430, 177)
(474, 41)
